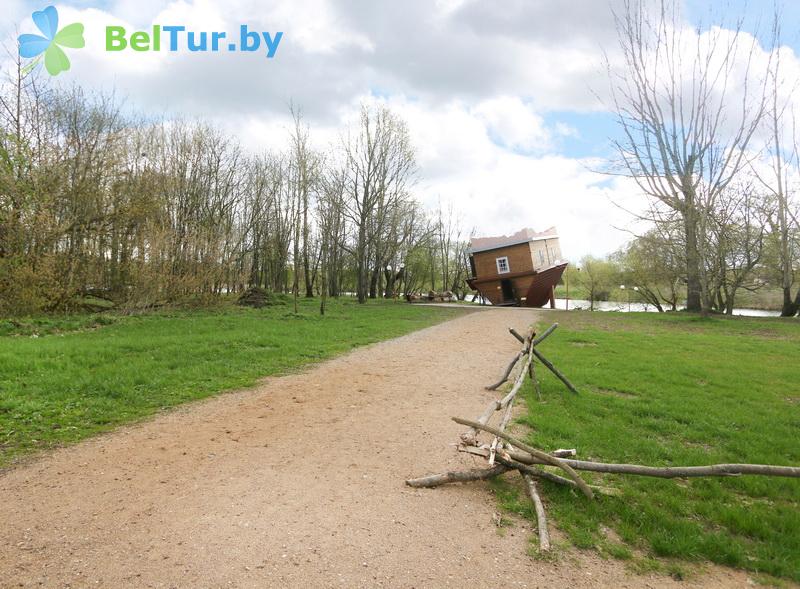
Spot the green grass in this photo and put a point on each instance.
(65, 378)
(575, 292)
(47, 325)
(677, 390)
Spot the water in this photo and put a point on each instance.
(579, 304)
(575, 304)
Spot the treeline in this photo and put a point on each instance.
(100, 205)
(709, 135)
(744, 258)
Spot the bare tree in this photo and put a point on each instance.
(688, 106)
(99, 203)
(736, 237)
(783, 162)
(379, 166)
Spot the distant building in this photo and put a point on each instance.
(521, 269)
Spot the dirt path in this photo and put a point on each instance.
(297, 483)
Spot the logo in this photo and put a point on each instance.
(50, 42)
(178, 38)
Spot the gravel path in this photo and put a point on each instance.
(296, 483)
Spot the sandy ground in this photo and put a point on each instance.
(296, 483)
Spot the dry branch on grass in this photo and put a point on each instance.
(543, 456)
(541, 518)
(668, 472)
(506, 453)
(504, 457)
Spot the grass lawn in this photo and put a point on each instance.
(674, 390)
(63, 379)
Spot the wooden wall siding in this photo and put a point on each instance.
(550, 250)
(519, 260)
(494, 292)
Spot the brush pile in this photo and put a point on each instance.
(431, 297)
(258, 297)
(505, 453)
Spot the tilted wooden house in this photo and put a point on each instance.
(522, 269)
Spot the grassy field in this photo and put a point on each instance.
(63, 379)
(675, 390)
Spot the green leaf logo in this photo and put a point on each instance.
(49, 44)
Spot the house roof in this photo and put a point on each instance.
(482, 244)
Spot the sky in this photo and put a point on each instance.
(506, 100)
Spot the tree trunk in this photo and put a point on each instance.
(790, 307)
(306, 272)
(693, 289)
(323, 279)
(373, 283)
(796, 303)
(361, 265)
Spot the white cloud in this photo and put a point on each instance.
(498, 191)
(513, 123)
(493, 189)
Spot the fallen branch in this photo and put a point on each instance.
(516, 334)
(559, 462)
(469, 436)
(525, 350)
(482, 451)
(539, 339)
(504, 459)
(505, 465)
(517, 385)
(507, 372)
(554, 370)
(541, 518)
(665, 472)
(544, 360)
(465, 476)
(545, 335)
(503, 424)
(532, 374)
(508, 401)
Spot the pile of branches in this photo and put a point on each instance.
(505, 453)
(431, 297)
(258, 297)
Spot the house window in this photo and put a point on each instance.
(502, 265)
(541, 257)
